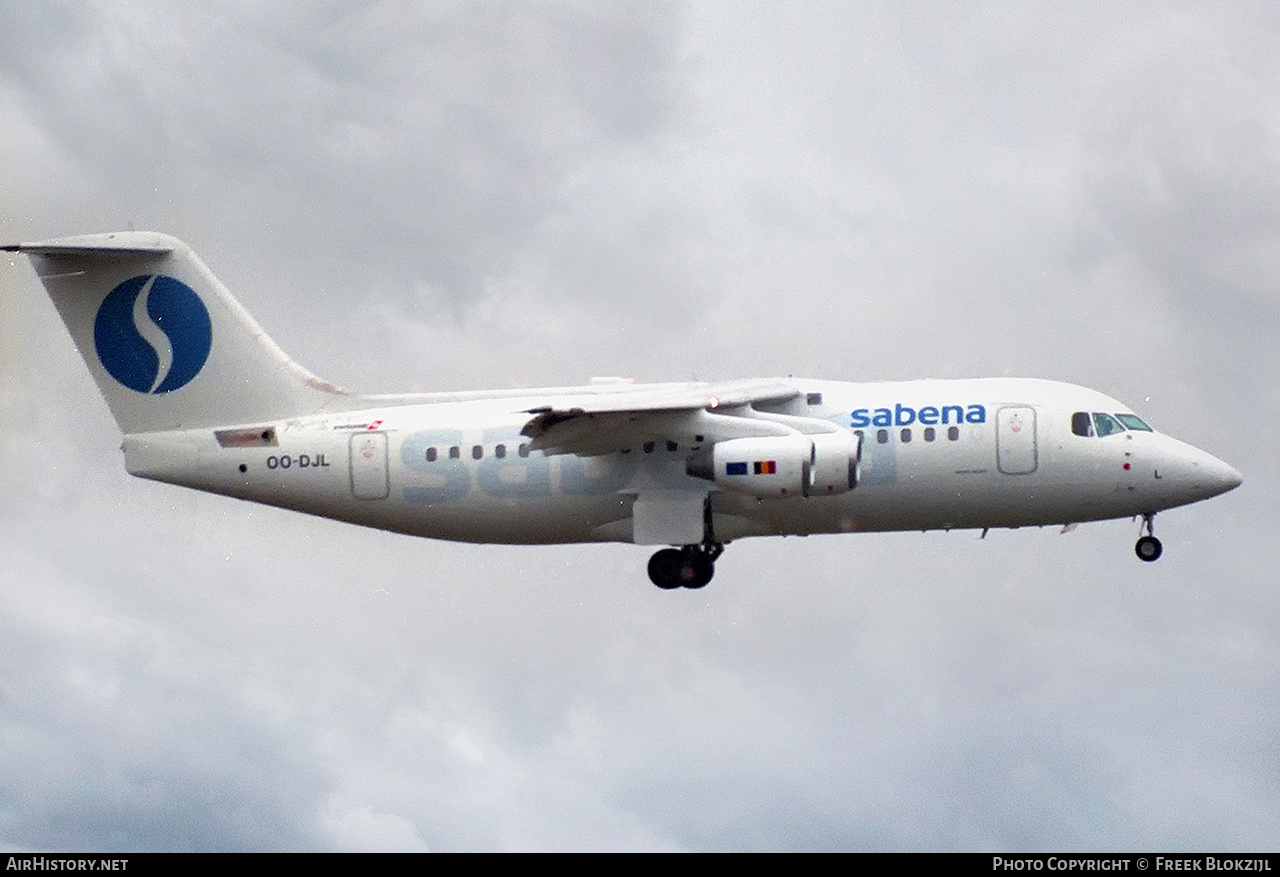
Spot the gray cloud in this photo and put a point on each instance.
(489, 194)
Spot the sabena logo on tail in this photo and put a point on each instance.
(153, 334)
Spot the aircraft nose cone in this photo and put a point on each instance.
(1215, 476)
(1226, 477)
(1188, 474)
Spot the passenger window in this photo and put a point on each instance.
(431, 455)
(500, 451)
(1106, 425)
(1082, 423)
(930, 433)
(524, 450)
(953, 433)
(905, 435)
(455, 453)
(882, 436)
(477, 452)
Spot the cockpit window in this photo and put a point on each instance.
(1099, 424)
(1105, 424)
(1133, 421)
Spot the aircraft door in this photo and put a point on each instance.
(1016, 440)
(369, 465)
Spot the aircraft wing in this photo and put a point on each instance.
(687, 414)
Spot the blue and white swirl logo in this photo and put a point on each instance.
(153, 334)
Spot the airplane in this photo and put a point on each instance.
(206, 400)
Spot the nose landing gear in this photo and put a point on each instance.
(1148, 547)
(689, 567)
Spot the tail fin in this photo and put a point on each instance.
(167, 344)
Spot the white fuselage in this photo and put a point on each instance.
(934, 455)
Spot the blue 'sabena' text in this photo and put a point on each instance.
(929, 415)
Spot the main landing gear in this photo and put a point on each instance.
(689, 567)
(1148, 547)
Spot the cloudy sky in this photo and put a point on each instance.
(419, 196)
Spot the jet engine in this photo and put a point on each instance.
(835, 463)
(779, 466)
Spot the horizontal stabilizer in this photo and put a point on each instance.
(124, 243)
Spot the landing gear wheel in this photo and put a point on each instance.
(698, 568)
(689, 567)
(665, 568)
(1148, 549)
